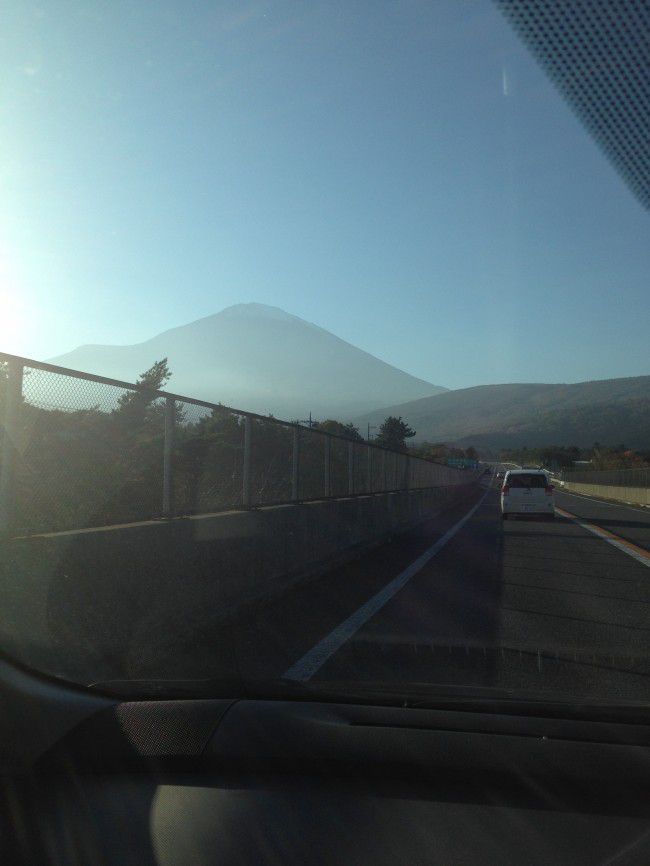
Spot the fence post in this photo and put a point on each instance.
(383, 465)
(328, 466)
(407, 480)
(246, 469)
(295, 464)
(369, 490)
(9, 443)
(350, 467)
(168, 469)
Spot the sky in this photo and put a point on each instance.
(400, 173)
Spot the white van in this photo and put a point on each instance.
(527, 491)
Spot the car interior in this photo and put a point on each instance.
(88, 778)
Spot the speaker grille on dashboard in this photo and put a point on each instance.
(159, 728)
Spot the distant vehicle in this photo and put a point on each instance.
(527, 491)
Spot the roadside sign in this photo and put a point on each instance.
(462, 463)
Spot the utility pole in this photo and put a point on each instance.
(10, 453)
(307, 421)
(370, 427)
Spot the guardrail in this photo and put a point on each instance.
(79, 450)
(631, 486)
(613, 477)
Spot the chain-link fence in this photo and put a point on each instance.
(80, 451)
(610, 477)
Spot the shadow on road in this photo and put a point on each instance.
(443, 626)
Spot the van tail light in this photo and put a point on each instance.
(505, 489)
(549, 489)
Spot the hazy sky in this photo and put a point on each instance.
(400, 173)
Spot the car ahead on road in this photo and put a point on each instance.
(527, 491)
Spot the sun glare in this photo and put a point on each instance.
(12, 322)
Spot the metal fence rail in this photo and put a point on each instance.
(79, 450)
(609, 477)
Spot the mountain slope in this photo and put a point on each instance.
(260, 358)
(609, 411)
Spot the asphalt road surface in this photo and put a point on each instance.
(535, 606)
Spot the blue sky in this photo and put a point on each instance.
(401, 173)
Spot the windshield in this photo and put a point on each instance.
(271, 274)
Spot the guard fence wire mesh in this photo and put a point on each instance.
(80, 451)
(86, 454)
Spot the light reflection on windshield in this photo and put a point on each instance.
(287, 292)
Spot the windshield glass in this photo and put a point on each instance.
(270, 273)
(520, 480)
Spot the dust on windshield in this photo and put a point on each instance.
(286, 292)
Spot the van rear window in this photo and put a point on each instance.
(527, 481)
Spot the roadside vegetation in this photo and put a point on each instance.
(91, 454)
(599, 457)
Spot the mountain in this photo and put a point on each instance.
(609, 411)
(260, 358)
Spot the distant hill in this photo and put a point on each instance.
(609, 411)
(263, 359)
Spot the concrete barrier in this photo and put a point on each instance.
(629, 495)
(107, 603)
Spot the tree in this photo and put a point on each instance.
(133, 406)
(437, 451)
(471, 453)
(208, 460)
(337, 428)
(137, 435)
(558, 456)
(393, 433)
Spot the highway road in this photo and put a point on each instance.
(530, 606)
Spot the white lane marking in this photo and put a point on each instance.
(620, 543)
(316, 657)
(564, 492)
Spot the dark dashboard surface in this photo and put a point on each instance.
(263, 781)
